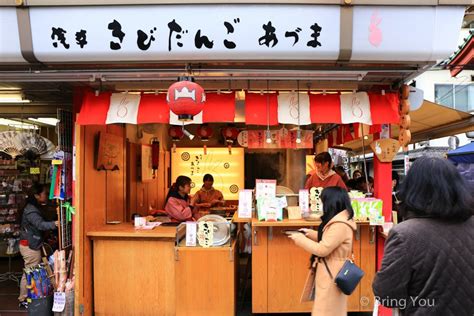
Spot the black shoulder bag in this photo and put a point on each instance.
(349, 276)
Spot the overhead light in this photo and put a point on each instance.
(298, 136)
(191, 136)
(13, 98)
(268, 136)
(366, 137)
(17, 124)
(45, 120)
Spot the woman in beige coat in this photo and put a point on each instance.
(332, 241)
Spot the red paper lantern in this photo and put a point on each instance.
(186, 99)
(205, 132)
(230, 133)
(176, 132)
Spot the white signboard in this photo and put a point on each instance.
(186, 32)
(231, 32)
(10, 51)
(397, 33)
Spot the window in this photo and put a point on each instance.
(459, 97)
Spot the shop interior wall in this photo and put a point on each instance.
(143, 196)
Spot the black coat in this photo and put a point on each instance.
(428, 268)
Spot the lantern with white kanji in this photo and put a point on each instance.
(186, 98)
(205, 132)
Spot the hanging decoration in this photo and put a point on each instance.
(176, 133)
(155, 155)
(205, 132)
(186, 98)
(230, 135)
(404, 136)
(28, 144)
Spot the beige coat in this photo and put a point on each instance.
(336, 247)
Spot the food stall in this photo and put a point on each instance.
(279, 84)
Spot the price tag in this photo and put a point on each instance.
(304, 201)
(191, 229)
(34, 170)
(245, 204)
(59, 302)
(57, 162)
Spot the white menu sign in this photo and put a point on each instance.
(245, 204)
(304, 201)
(265, 188)
(191, 229)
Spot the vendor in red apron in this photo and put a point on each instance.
(207, 197)
(324, 176)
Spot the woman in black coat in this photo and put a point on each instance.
(428, 266)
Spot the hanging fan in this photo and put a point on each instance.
(221, 228)
(24, 143)
(51, 149)
(30, 142)
(7, 144)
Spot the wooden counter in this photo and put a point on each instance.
(285, 223)
(134, 270)
(127, 230)
(206, 280)
(279, 268)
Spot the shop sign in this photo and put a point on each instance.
(186, 32)
(198, 32)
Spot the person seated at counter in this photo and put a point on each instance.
(207, 197)
(178, 206)
(324, 176)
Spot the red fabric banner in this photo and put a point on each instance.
(153, 109)
(325, 108)
(94, 109)
(219, 108)
(384, 108)
(256, 112)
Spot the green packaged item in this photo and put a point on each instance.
(269, 209)
(370, 208)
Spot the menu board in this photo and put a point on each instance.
(227, 169)
(265, 188)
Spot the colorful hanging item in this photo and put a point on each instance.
(186, 98)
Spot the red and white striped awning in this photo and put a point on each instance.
(260, 109)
